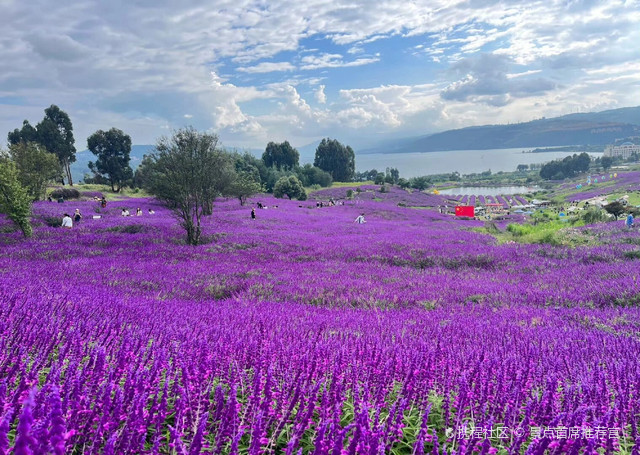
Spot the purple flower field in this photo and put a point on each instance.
(302, 332)
(625, 182)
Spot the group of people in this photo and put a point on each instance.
(125, 212)
(331, 203)
(359, 220)
(67, 221)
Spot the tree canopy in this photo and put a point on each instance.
(188, 171)
(35, 166)
(337, 159)
(281, 156)
(113, 149)
(615, 208)
(54, 132)
(15, 201)
(243, 186)
(291, 187)
(568, 167)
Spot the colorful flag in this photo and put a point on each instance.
(465, 210)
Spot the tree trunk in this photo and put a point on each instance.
(207, 208)
(67, 170)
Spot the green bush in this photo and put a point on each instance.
(128, 229)
(52, 221)
(635, 254)
(65, 193)
(594, 215)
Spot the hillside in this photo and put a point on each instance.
(598, 128)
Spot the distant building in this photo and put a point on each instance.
(624, 150)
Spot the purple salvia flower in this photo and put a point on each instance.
(58, 428)
(24, 439)
(5, 425)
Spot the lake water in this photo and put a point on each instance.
(489, 190)
(463, 161)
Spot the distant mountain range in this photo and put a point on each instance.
(596, 128)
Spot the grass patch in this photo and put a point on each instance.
(350, 184)
(124, 193)
(635, 254)
(128, 229)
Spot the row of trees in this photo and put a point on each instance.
(189, 170)
(44, 153)
(332, 157)
(567, 167)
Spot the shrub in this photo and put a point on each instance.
(52, 221)
(594, 215)
(128, 229)
(65, 193)
(635, 254)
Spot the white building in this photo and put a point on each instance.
(624, 150)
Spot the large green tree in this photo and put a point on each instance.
(188, 171)
(113, 149)
(615, 208)
(36, 167)
(281, 156)
(337, 159)
(55, 133)
(15, 201)
(244, 186)
(290, 187)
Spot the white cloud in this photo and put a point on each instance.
(146, 63)
(522, 74)
(267, 67)
(320, 95)
(312, 62)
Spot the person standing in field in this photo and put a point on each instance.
(629, 221)
(360, 219)
(77, 216)
(66, 221)
(253, 214)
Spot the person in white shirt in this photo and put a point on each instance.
(125, 212)
(360, 219)
(67, 222)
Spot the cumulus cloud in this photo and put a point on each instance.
(485, 79)
(320, 95)
(153, 60)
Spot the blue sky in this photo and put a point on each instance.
(359, 71)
